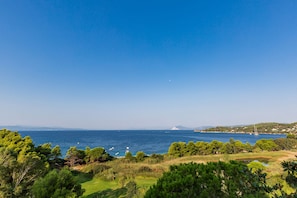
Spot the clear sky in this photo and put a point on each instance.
(147, 64)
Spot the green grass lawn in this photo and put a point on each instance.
(97, 184)
(145, 181)
(97, 187)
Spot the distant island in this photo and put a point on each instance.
(35, 128)
(269, 127)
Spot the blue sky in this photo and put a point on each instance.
(147, 64)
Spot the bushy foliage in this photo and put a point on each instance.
(50, 155)
(57, 184)
(180, 149)
(155, 158)
(214, 179)
(95, 168)
(255, 166)
(286, 143)
(140, 156)
(20, 164)
(75, 156)
(291, 136)
(97, 154)
(290, 167)
(267, 145)
(129, 157)
(14, 142)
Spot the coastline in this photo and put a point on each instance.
(238, 132)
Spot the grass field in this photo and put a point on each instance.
(122, 172)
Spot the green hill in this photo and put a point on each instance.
(269, 127)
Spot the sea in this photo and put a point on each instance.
(117, 142)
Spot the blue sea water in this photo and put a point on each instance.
(149, 141)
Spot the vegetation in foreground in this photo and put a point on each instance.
(214, 179)
(27, 170)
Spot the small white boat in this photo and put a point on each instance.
(127, 149)
(110, 149)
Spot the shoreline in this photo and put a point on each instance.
(240, 132)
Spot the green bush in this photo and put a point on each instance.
(211, 180)
(155, 158)
(255, 166)
(95, 168)
(57, 184)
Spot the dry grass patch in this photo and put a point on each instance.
(146, 173)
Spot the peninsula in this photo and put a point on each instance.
(268, 128)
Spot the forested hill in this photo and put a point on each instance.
(271, 127)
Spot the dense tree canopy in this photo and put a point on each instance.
(267, 145)
(21, 164)
(75, 156)
(57, 184)
(97, 154)
(180, 149)
(214, 179)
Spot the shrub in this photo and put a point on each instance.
(140, 155)
(95, 168)
(214, 179)
(156, 158)
(255, 166)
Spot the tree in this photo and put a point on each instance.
(192, 149)
(16, 178)
(215, 147)
(291, 168)
(214, 179)
(97, 154)
(140, 155)
(129, 156)
(74, 156)
(183, 149)
(240, 147)
(267, 145)
(177, 149)
(45, 152)
(203, 148)
(233, 147)
(174, 150)
(227, 148)
(248, 147)
(57, 184)
(14, 142)
(20, 165)
(286, 143)
(56, 161)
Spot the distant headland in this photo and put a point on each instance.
(267, 128)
